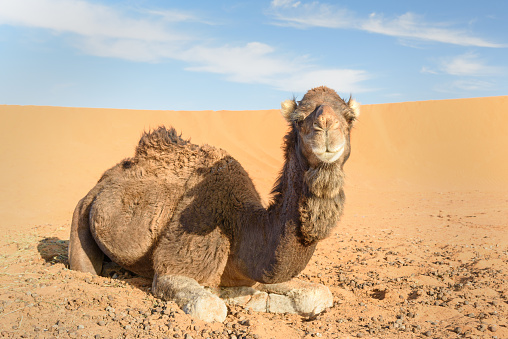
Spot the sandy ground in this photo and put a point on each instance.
(422, 250)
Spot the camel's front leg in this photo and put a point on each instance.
(295, 296)
(305, 298)
(191, 297)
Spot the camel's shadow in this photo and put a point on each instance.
(55, 251)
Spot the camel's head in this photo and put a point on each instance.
(323, 122)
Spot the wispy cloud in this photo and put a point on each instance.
(153, 36)
(258, 63)
(406, 26)
(468, 64)
(83, 18)
(461, 86)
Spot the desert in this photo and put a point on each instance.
(421, 251)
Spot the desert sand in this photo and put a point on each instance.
(422, 250)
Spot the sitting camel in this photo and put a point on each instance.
(190, 217)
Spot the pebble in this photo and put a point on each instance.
(493, 327)
(245, 322)
(427, 334)
(101, 323)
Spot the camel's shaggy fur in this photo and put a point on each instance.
(179, 210)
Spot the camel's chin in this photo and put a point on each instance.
(329, 157)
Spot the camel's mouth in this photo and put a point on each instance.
(329, 156)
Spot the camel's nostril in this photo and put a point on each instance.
(326, 119)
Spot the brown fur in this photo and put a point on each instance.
(177, 209)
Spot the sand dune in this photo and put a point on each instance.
(52, 155)
(434, 145)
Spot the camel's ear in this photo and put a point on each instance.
(287, 107)
(355, 108)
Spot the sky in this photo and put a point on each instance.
(248, 55)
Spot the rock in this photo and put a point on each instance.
(245, 322)
(493, 328)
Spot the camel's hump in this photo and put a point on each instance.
(159, 140)
(166, 141)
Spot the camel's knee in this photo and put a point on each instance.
(191, 297)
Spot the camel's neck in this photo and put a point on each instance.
(306, 204)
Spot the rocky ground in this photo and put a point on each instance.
(400, 265)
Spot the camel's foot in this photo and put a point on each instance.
(191, 297)
(303, 298)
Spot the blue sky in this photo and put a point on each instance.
(235, 55)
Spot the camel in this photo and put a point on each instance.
(189, 216)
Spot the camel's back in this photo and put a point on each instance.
(137, 199)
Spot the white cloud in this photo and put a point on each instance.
(285, 3)
(173, 16)
(82, 18)
(256, 63)
(342, 80)
(407, 26)
(128, 49)
(472, 85)
(312, 14)
(425, 69)
(468, 64)
(105, 31)
(461, 86)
